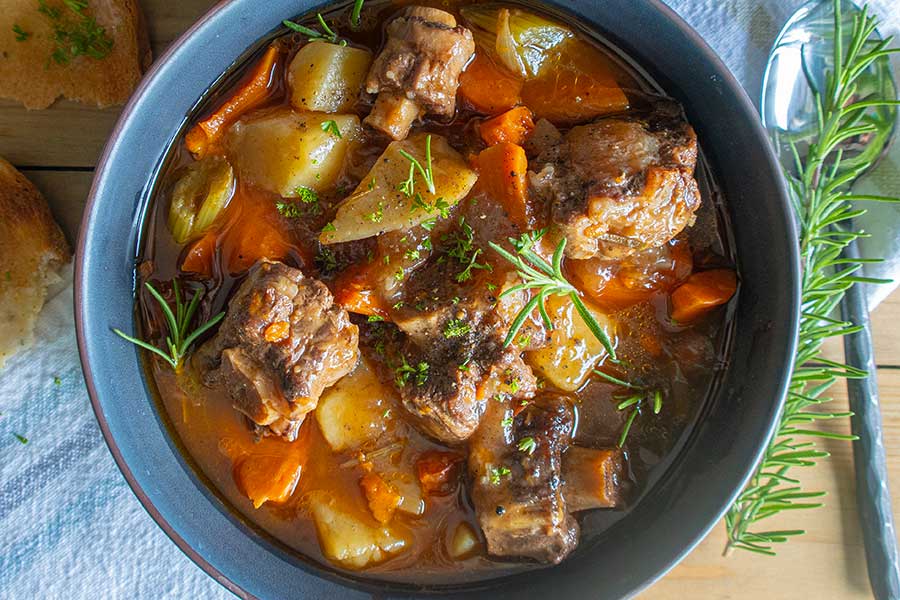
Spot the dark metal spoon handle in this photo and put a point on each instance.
(872, 494)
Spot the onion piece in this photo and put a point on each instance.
(523, 42)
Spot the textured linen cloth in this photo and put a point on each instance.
(70, 527)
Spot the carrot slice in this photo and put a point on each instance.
(199, 258)
(513, 126)
(271, 470)
(701, 293)
(502, 172)
(354, 291)
(253, 91)
(383, 498)
(258, 231)
(489, 88)
(436, 471)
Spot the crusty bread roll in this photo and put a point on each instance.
(29, 74)
(32, 248)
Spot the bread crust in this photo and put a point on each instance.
(32, 248)
(28, 75)
(26, 224)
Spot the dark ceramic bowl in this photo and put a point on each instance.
(668, 521)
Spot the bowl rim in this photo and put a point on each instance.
(103, 169)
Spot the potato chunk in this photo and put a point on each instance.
(347, 539)
(327, 77)
(282, 150)
(352, 412)
(378, 205)
(573, 350)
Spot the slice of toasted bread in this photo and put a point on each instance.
(28, 38)
(32, 248)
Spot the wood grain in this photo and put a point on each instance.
(828, 562)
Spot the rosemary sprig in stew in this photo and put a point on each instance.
(548, 280)
(178, 340)
(408, 186)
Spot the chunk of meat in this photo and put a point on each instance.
(454, 324)
(418, 70)
(516, 470)
(447, 403)
(620, 185)
(283, 341)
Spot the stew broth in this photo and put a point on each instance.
(681, 359)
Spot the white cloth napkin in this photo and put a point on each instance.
(70, 527)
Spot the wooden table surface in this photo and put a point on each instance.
(58, 148)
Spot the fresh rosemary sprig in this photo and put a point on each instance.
(355, 14)
(408, 186)
(548, 280)
(178, 339)
(822, 199)
(635, 400)
(326, 35)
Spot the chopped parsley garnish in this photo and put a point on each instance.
(326, 260)
(464, 367)
(427, 244)
(497, 472)
(22, 439)
(331, 127)
(419, 373)
(387, 259)
(524, 340)
(378, 215)
(412, 254)
(442, 207)
(329, 227)
(429, 224)
(375, 318)
(372, 183)
(398, 305)
(463, 250)
(455, 328)
(387, 414)
(400, 274)
(507, 422)
(305, 195)
(527, 445)
(57, 381)
(21, 34)
(73, 37)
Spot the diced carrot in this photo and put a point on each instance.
(354, 291)
(502, 174)
(277, 331)
(256, 231)
(583, 86)
(270, 471)
(487, 87)
(383, 498)
(513, 126)
(199, 258)
(251, 93)
(636, 279)
(436, 471)
(701, 293)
